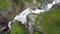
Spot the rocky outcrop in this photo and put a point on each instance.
(30, 21)
(3, 25)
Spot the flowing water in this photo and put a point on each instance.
(22, 17)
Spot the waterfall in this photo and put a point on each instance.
(23, 15)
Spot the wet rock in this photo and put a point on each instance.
(30, 22)
(59, 29)
(43, 5)
(3, 25)
(50, 1)
(56, 6)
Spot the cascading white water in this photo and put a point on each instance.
(22, 16)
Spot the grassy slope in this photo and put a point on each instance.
(17, 28)
(3, 5)
(50, 21)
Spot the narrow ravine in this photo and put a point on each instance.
(22, 17)
(27, 11)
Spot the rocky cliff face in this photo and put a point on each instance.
(3, 25)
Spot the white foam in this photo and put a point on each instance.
(22, 16)
(37, 11)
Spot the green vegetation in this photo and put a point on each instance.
(17, 28)
(3, 5)
(19, 3)
(50, 21)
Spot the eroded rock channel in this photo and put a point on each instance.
(27, 16)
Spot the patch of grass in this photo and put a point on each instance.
(3, 5)
(17, 28)
(50, 21)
